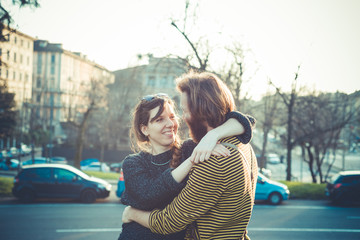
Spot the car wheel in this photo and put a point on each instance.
(88, 196)
(27, 195)
(275, 198)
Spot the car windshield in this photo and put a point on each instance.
(80, 173)
(262, 177)
(334, 178)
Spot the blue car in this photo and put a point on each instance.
(271, 191)
(120, 185)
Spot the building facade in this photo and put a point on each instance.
(132, 84)
(62, 83)
(16, 66)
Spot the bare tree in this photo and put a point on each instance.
(289, 101)
(319, 120)
(200, 48)
(6, 19)
(267, 121)
(95, 95)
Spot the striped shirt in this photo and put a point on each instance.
(217, 199)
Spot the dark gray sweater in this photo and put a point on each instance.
(149, 185)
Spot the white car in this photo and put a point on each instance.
(273, 158)
(96, 166)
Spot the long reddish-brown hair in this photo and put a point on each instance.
(209, 99)
(141, 116)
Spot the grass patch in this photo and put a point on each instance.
(6, 185)
(104, 175)
(310, 191)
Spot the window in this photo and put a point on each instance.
(151, 81)
(15, 40)
(38, 82)
(20, 76)
(21, 58)
(39, 63)
(7, 74)
(39, 173)
(26, 77)
(39, 58)
(28, 60)
(52, 58)
(52, 69)
(14, 75)
(0, 51)
(52, 82)
(14, 57)
(8, 54)
(64, 175)
(38, 97)
(163, 82)
(21, 42)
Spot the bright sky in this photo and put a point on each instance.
(321, 35)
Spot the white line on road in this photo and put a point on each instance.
(250, 229)
(89, 230)
(343, 230)
(299, 207)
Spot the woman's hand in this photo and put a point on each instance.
(207, 146)
(126, 215)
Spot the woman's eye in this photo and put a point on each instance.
(159, 120)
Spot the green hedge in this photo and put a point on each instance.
(6, 185)
(311, 191)
(298, 190)
(104, 175)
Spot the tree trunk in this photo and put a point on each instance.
(79, 146)
(311, 162)
(263, 151)
(288, 143)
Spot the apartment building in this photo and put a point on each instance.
(61, 83)
(17, 64)
(131, 84)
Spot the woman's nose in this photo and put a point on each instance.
(169, 122)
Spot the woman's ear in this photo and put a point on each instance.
(144, 130)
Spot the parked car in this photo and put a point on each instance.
(88, 161)
(271, 191)
(344, 187)
(96, 166)
(37, 160)
(273, 158)
(25, 149)
(14, 151)
(121, 185)
(58, 181)
(9, 164)
(115, 167)
(60, 160)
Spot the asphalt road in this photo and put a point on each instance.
(57, 220)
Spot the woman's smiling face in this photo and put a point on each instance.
(162, 130)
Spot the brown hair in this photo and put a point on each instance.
(209, 99)
(141, 116)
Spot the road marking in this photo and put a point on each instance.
(89, 230)
(77, 205)
(305, 230)
(250, 229)
(299, 207)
